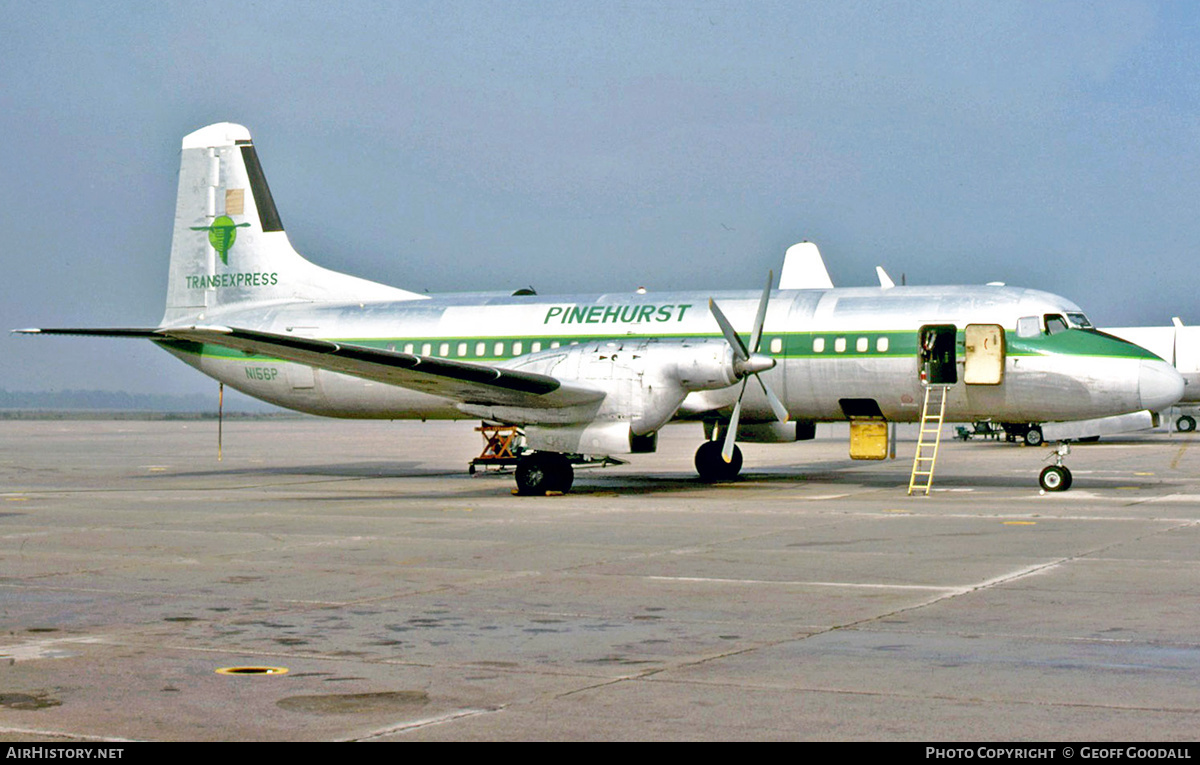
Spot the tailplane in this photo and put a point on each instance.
(229, 246)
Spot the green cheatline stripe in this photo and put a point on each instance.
(796, 345)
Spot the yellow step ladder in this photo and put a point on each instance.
(929, 437)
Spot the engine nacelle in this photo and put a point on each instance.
(645, 381)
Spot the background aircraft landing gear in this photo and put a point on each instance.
(712, 467)
(542, 472)
(1056, 477)
(1185, 424)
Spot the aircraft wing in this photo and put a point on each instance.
(462, 381)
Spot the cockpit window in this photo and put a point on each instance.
(1029, 326)
(1056, 323)
(1078, 321)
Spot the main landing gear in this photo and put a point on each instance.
(1030, 432)
(1056, 477)
(542, 472)
(712, 467)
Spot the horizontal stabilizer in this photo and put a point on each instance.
(86, 332)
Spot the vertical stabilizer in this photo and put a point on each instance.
(229, 246)
(803, 269)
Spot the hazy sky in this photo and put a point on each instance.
(600, 146)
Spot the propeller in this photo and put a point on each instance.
(747, 363)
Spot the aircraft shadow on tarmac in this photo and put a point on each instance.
(838, 474)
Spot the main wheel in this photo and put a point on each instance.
(1185, 424)
(541, 472)
(1055, 478)
(1033, 436)
(712, 467)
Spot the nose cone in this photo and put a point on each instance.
(1159, 385)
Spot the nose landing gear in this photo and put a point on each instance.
(1056, 477)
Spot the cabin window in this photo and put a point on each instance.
(462, 349)
(444, 349)
(818, 345)
(535, 347)
(426, 349)
(776, 345)
(408, 347)
(881, 345)
(516, 349)
(555, 344)
(498, 349)
(1055, 323)
(480, 349)
(839, 345)
(862, 345)
(1029, 326)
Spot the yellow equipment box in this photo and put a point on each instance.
(868, 440)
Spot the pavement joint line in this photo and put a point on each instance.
(68, 736)
(405, 727)
(934, 588)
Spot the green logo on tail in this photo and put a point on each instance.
(221, 235)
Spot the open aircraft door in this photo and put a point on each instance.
(938, 354)
(984, 345)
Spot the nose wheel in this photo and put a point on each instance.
(1056, 477)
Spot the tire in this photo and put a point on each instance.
(1185, 424)
(1033, 437)
(712, 467)
(1055, 478)
(543, 472)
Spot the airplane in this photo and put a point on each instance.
(1180, 345)
(593, 376)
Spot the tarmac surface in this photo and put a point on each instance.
(408, 600)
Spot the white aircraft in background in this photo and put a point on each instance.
(590, 376)
(1181, 346)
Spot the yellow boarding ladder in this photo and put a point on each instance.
(929, 437)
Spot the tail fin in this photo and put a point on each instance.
(229, 246)
(803, 269)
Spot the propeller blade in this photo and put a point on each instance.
(731, 337)
(731, 432)
(781, 412)
(756, 337)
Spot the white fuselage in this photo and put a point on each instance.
(832, 347)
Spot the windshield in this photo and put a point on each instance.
(1055, 323)
(1078, 321)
